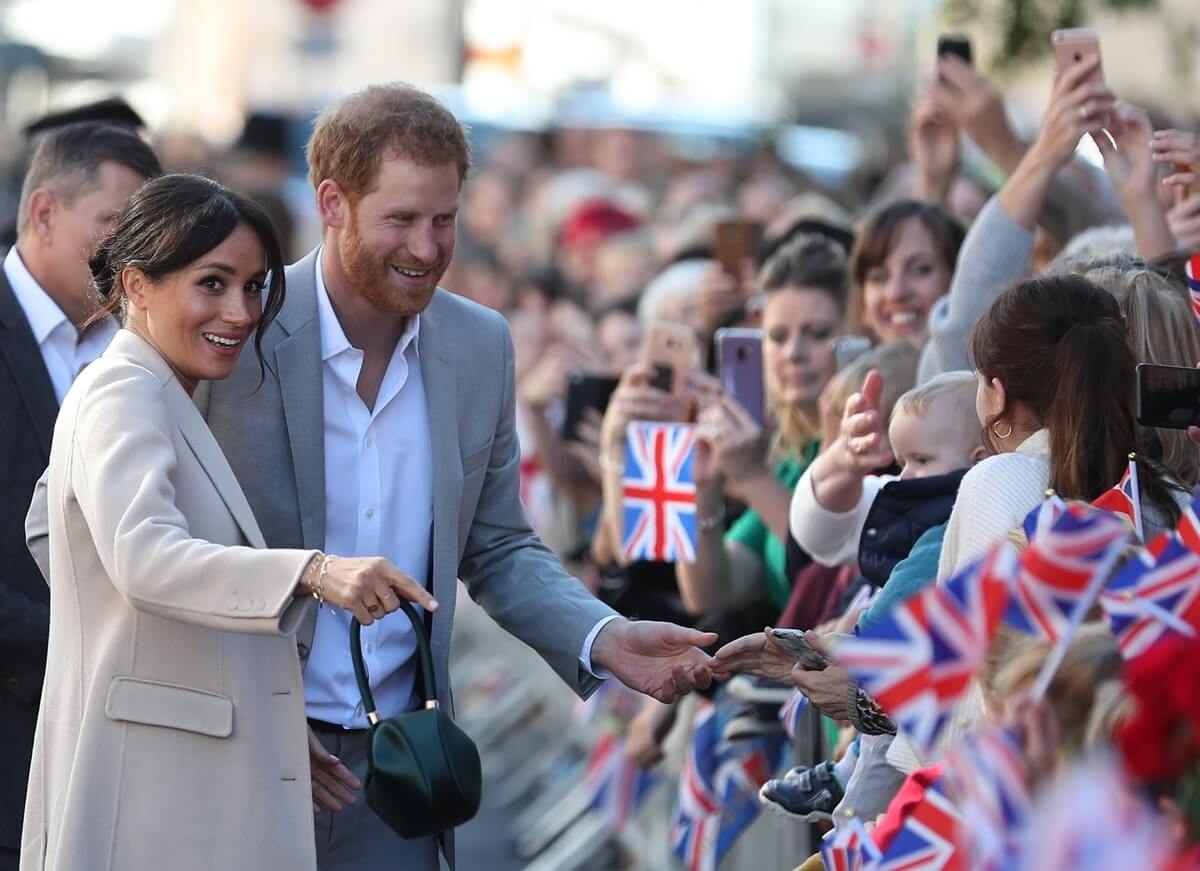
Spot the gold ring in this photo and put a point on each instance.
(1083, 112)
(374, 609)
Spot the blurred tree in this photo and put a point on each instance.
(1025, 25)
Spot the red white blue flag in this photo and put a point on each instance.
(791, 712)
(616, 787)
(929, 839)
(1192, 274)
(1124, 498)
(1189, 526)
(849, 847)
(987, 774)
(718, 790)
(660, 492)
(1058, 569)
(917, 661)
(1150, 598)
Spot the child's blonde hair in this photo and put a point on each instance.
(959, 389)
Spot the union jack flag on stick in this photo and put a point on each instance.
(849, 847)
(929, 839)
(1189, 526)
(616, 786)
(1125, 498)
(987, 774)
(1152, 598)
(660, 492)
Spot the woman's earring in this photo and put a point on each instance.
(999, 435)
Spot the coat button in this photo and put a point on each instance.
(872, 533)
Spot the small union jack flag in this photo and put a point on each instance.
(1125, 498)
(1192, 274)
(791, 712)
(849, 847)
(1059, 570)
(987, 773)
(616, 787)
(660, 492)
(893, 661)
(1189, 526)
(964, 614)
(1152, 598)
(718, 790)
(929, 839)
(1043, 517)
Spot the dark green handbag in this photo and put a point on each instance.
(423, 774)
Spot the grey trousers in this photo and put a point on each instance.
(873, 783)
(356, 839)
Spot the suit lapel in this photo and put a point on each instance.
(298, 363)
(20, 350)
(441, 400)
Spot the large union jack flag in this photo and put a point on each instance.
(660, 492)
(1192, 273)
(1124, 498)
(616, 787)
(1153, 598)
(1058, 569)
(928, 840)
(849, 847)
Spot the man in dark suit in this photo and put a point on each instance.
(80, 177)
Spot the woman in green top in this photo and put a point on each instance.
(804, 297)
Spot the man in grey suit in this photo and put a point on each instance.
(385, 427)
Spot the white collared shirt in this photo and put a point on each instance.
(64, 352)
(378, 502)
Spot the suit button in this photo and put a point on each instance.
(302, 649)
(872, 533)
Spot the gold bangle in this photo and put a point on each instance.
(320, 591)
(310, 573)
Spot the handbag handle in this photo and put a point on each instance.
(423, 654)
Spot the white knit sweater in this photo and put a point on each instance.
(995, 497)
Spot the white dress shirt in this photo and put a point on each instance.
(64, 351)
(378, 502)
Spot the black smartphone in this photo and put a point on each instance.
(1168, 396)
(584, 392)
(955, 44)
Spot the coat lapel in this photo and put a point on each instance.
(20, 350)
(194, 431)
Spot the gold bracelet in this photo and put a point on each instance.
(310, 573)
(320, 591)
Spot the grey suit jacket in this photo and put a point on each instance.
(273, 437)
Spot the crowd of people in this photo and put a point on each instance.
(938, 357)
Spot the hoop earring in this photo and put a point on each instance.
(1000, 436)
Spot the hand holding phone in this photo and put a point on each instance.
(956, 44)
(736, 242)
(795, 643)
(672, 350)
(1078, 45)
(740, 363)
(1168, 396)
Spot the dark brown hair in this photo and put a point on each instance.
(352, 137)
(175, 220)
(67, 160)
(877, 236)
(1059, 345)
(807, 260)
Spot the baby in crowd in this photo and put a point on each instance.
(892, 527)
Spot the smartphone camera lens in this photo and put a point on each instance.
(1078, 57)
(741, 355)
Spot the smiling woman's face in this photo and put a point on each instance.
(200, 317)
(899, 293)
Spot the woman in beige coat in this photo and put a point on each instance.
(172, 731)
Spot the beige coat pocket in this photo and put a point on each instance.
(152, 703)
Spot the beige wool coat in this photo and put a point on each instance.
(172, 730)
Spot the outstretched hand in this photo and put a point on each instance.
(661, 660)
(758, 654)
